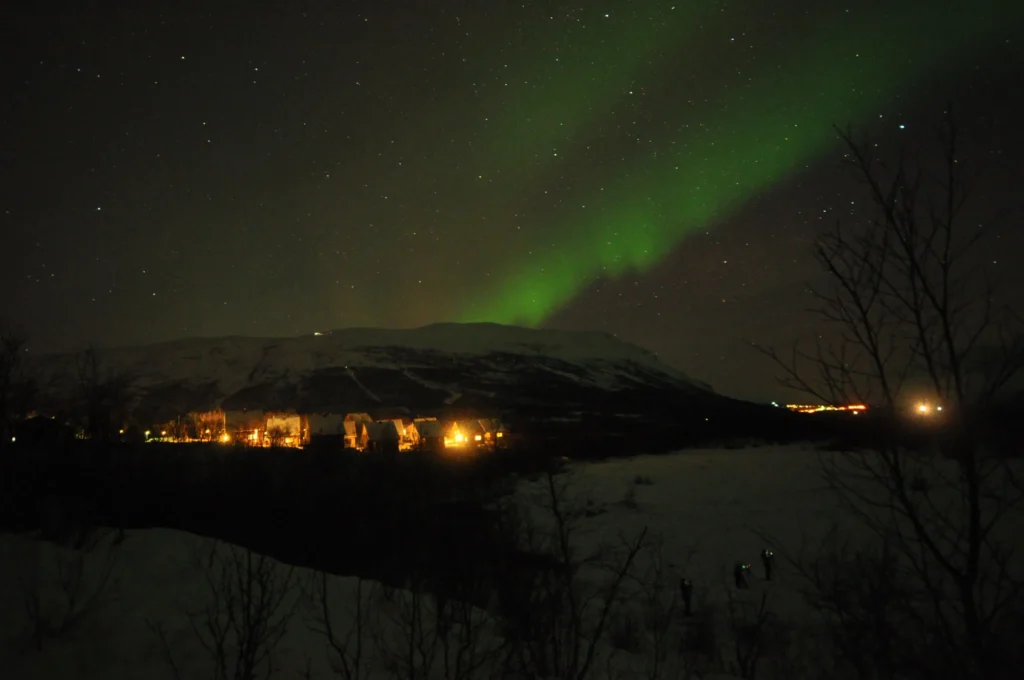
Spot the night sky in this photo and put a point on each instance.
(657, 170)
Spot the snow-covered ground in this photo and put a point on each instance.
(709, 508)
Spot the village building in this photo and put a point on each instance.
(494, 432)
(463, 434)
(246, 427)
(326, 424)
(382, 436)
(408, 434)
(431, 434)
(355, 435)
(287, 429)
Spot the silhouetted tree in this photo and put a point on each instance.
(910, 305)
(104, 396)
(17, 388)
(276, 436)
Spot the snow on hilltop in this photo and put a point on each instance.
(483, 365)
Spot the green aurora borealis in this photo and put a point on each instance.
(647, 168)
(754, 137)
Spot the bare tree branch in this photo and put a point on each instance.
(904, 306)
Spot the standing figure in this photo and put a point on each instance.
(740, 574)
(767, 557)
(686, 587)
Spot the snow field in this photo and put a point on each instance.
(703, 511)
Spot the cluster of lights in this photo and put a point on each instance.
(455, 438)
(926, 409)
(855, 409)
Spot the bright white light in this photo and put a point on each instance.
(922, 408)
(938, 408)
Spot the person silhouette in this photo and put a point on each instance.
(739, 573)
(767, 558)
(686, 587)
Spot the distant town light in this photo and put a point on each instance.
(478, 438)
(225, 437)
(147, 434)
(922, 408)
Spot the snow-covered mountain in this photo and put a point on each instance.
(483, 366)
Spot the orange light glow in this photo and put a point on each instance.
(477, 438)
(225, 437)
(456, 439)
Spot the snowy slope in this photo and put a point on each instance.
(703, 505)
(473, 365)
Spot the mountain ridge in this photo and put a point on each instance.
(480, 366)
